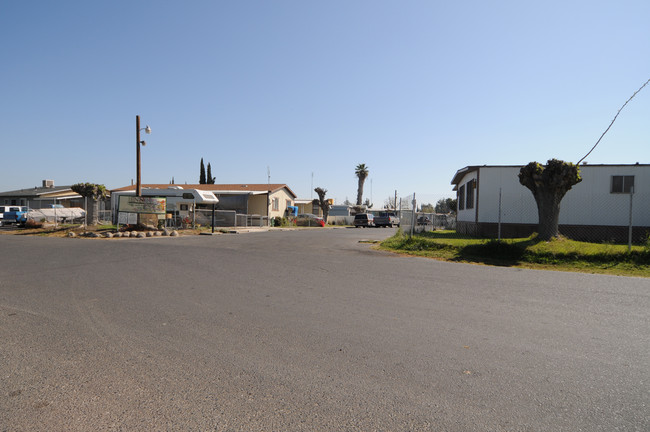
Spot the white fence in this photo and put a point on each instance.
(340, 220)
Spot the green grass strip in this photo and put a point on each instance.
(558, 254)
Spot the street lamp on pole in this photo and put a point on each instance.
(147, 130)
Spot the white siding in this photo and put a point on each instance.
(591, 203)
(517, 202)
(587, 203)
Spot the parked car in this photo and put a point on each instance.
(308, 219)
(386, 219)
(364, 220)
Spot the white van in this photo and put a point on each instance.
(8, 208)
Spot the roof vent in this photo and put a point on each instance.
(48, 183)
(244, 185)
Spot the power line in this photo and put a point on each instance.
(610, 125)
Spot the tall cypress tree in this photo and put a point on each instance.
(210, 179)
(202, 175)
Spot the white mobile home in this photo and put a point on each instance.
(602, 206)
(180, 202)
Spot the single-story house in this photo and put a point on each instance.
(43, 197)
(308, 206)
(599, 208)
(266, 200)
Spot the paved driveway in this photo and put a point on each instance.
(310, 331)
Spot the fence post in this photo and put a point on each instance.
(213, 207)
(629, 233)
(413, 218)
(499, 228)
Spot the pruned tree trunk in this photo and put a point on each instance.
(322, 202)
(549, 183)
(548, 211)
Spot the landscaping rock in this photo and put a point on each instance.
(149, 234)
(157, 233)
(94, 235)
(72, 234)
(108, 235)
(118, 234)
(174, 234)
(141, 235)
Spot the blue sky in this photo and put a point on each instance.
(415, 90)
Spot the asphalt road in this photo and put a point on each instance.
(310, 331)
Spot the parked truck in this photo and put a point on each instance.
(386, 219)
(15, 216)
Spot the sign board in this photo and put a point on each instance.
(149, 205)
(127, 218)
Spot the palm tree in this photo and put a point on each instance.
(361, 172)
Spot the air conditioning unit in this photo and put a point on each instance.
(48, 183)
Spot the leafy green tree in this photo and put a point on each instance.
(202, 174)
(361, 171)
(446, 205)
(453, 204)
(93, 191)
(426, 208)
(549, 184)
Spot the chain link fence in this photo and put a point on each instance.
(413, 221)
(223, 219)
(64, 216)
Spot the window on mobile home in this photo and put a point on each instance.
(461, 198)
(622, 184)
(470, 194)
